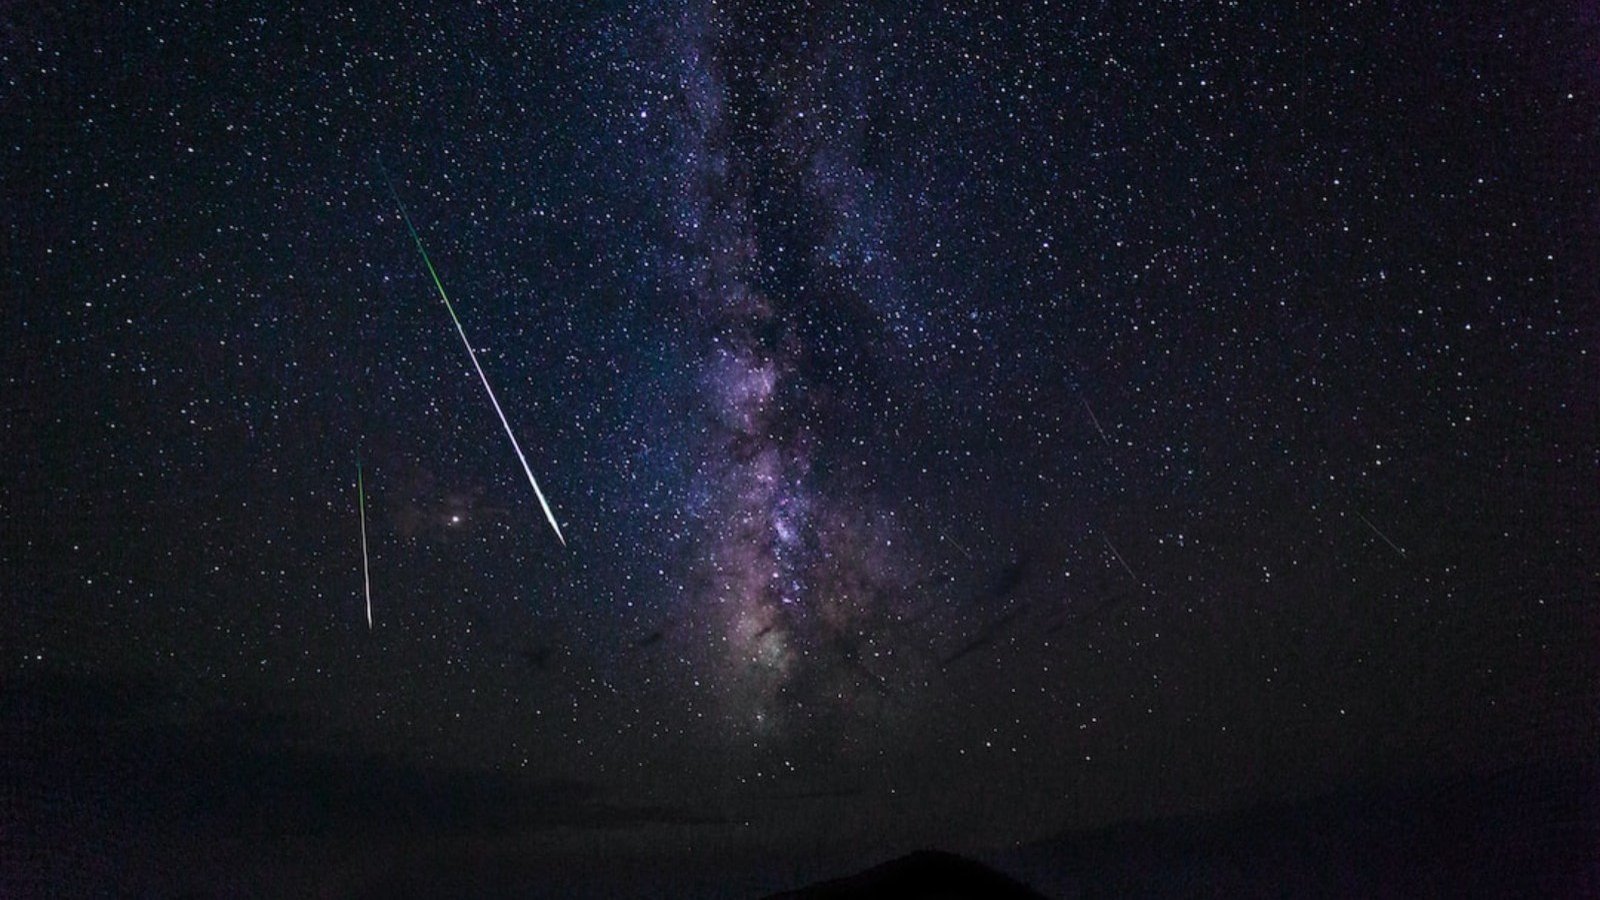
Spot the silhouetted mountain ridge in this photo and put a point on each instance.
(924, 875)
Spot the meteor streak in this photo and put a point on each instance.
(1380, 534)
(1095, 419)
(1125, 566)
(952, 542)
(472, 354)
(366, 575)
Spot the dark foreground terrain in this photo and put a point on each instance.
(1526, 832)
(104, 795)
(927, 874)
(1529, 831)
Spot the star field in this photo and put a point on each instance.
(966, 423)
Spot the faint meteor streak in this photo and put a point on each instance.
(1120, 560)
(952, 541)
(1095, 419)
(1380, 534)
(366, 574)
(473, 355)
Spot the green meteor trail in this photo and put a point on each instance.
(472, 354)
(366, 575)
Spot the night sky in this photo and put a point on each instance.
(967, 424)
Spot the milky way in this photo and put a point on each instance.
(799, 573)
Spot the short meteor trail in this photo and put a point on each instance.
(1095, 419)
(1380, 534)
(952, 542)
(366, 575)
(1124, 562)
(472, 354)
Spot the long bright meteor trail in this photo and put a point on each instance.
(366, 573)
(473, 355)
